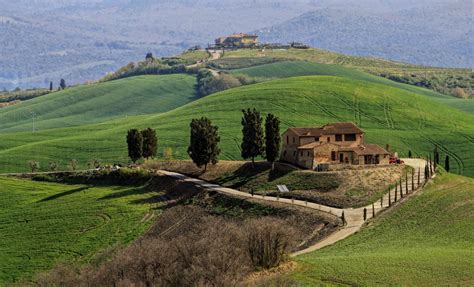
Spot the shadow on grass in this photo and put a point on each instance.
(134, 191)
(249, 172)
(64, 193)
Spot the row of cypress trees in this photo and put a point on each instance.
(142, 144)
(204, 140)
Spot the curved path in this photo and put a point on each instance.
(354, 217)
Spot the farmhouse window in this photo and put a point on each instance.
(308, 153)
(301, 153)
(316, 139)
(333, 155)
(339, 138)
(293, 140)
(350, 137)
(329, 139)
(287, 139)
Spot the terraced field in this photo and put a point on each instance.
(405, 120)
(96, 103)
(43, 223)
(428, 241)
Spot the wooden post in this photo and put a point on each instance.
(419, 173)
(412, 180)
(381, 199)
(401, 188)
(389, 198)
(406, 183)
(365, 214)
(396, 191)
(343, 218)
(373, 210)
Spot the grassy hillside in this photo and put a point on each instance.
(444, 80)
(405, 120)
(289, 69)
(428, 241)
(46, 222)
(99, 102)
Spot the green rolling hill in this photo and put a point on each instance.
(44, 223)
(428, 241)
(403, 119)
(287, 69)
(88, 104)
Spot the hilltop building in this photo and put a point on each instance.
(240, 40)
(334, 144)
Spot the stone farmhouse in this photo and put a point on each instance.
(332, 145)
(240, 40)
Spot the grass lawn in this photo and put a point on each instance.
(95, 103)
(428, 241)
(43, 223)
(405, 120)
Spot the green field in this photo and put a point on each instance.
(43, 223)
(289, 69)
(405, 120)
(95, 103)
(428, 241)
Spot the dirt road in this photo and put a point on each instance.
(354, 216)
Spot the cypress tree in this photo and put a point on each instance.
(50, 86)
(135, 144)
(409, 153)
(272, 138)
(446, 163)
(252, 132)
(436, 156)
(150, 143)
(204, 139)
(62, 84)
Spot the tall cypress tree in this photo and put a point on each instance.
(446, 163)
(150, 143)
(252, 132)
(272, 138)
(436, 155)
(135, 144)
(204, 139)
(50, 86)
(62, 84)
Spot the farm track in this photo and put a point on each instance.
(421, 118)
(354, 216)
(457, 159)
(358, 113)
(104, 217)
(324, 109)
(388, 114)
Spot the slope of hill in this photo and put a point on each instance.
(428, 241)
(405, 120)
(300, 68)
(435, 34)
(442, 80)
(46, 222)
(99, 102)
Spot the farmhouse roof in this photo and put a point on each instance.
(242, 35)
(329, 129)
(314, 145)
(366, 149)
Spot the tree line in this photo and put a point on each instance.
(204, 148)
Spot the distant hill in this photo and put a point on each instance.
(434, 33)
(81, 40)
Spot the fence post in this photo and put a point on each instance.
(381, 199)
(389, 198)
(401, 188)
(343, 218)
(413, 180)
(419, 172)
(373, 210)
(396, 191)
(365, 214)
(406, 183)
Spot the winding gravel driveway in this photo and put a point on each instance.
(354, 216)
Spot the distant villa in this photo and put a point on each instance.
(240, 40)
